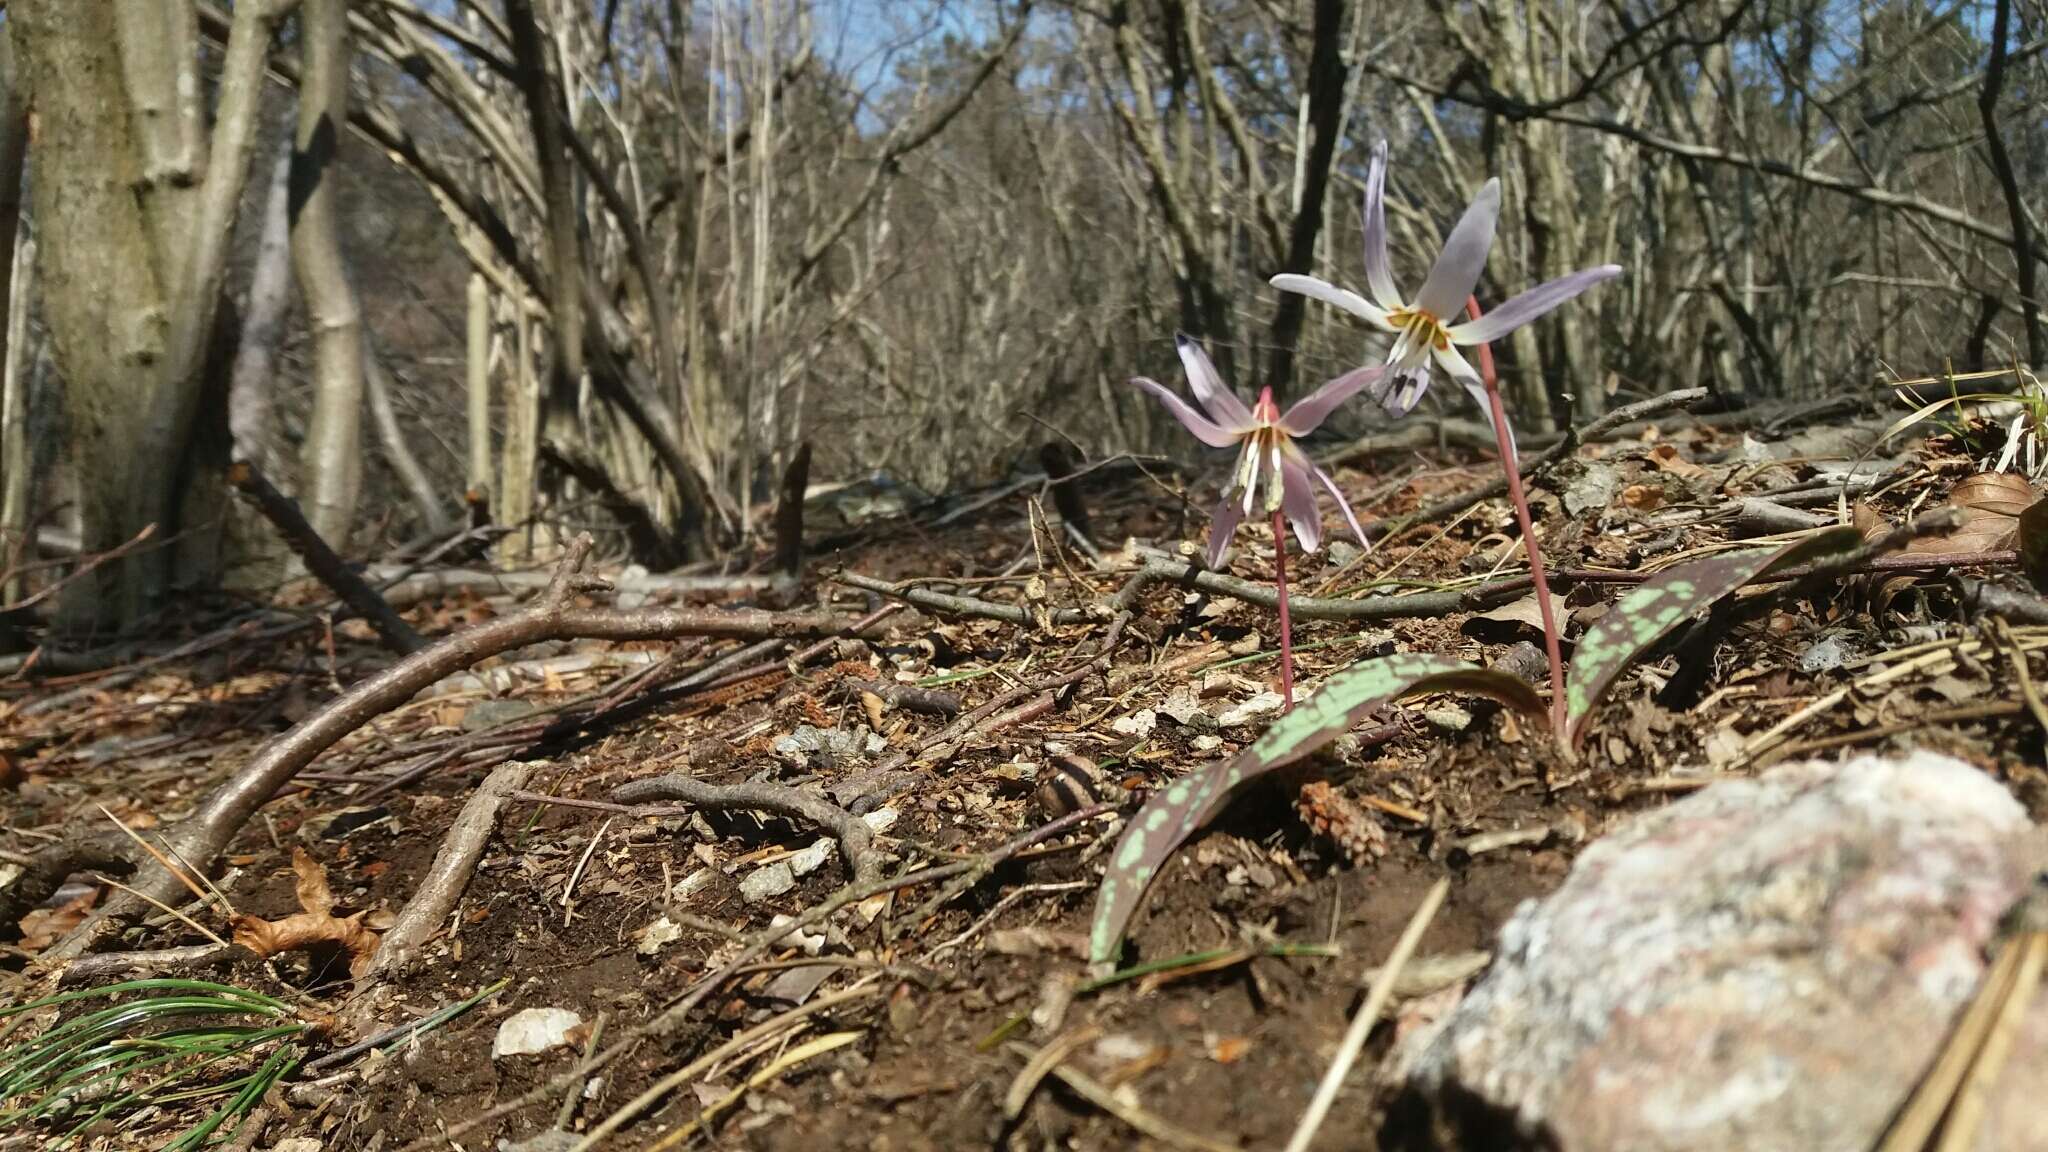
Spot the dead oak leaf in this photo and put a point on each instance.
(314, 927)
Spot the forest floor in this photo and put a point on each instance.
(937, 1007)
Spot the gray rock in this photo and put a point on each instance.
(1770, 964)
(810, 747)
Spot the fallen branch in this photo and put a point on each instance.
(855, 837)
(321, 561)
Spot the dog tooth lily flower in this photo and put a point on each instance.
(1273, 474)
(1423, 328)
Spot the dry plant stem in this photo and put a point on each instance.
(201, 837)
(1361, 1025)
(855, 837)
(757, 945)
(453, 866)
(1551, 645)
(1286, 628)
(284, 515)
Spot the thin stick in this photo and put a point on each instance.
(1972, 1096)
(1286, 631)
(1551, 647)
(1361, 1024)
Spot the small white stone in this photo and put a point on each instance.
(532, 1030)
(658, 935)
(1208, 743)
(768, 882)
(1264, 704)
(881, 819)
(810, 859)
(1139, 723)
(812, 945)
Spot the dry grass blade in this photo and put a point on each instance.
(1038, 1067)
(1361, 1025)
(1960, 1133)
(1917, 1121)
(790, 1059)
(1138, 1119)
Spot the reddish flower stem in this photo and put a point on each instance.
(1286, 628)
(1551, 646)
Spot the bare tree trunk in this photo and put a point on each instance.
(17, 478)
(331, 474)
(135, 210)
(420, 486)
(252, 385)
(1325, 95)
(522, 441)
(479, 387)
(17, 449)
(544, 106)
(2008, 182)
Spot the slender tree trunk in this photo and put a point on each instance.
(331, 469)
(2008, 182)
(1326, 84)
(397, 450)
(17, 478)
(522, 441)
(17, 396)
(252, 385)
(479, 387)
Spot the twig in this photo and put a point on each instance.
(453, 865)
(959, 605)
(1361, 1024)
(1136, 1118)
(854, 835)
(321, 561)
(1996, 600)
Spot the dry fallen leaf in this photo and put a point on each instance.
(1643, 497)
(311, 928)
(1665, 456)
(1991, 503)
(44, 926)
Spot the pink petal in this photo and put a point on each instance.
(1464, 257)
(1308, 414)
(1298, 500)
(1329, 293)
(1221, 528)
(1343, 505)
(1216, 397)
(1204, 429)
(1529, 305)
(1379, 274)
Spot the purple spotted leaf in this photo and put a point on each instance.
(1176, 811)
(1653, 608)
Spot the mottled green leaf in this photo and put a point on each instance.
(1176, 811)
(1652, 609)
